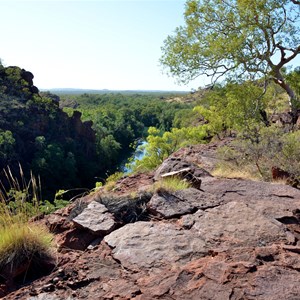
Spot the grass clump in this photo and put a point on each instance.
(228, 171)
(112, 180)
(171, 184)
(23, 244)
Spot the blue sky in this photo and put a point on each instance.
(112, 44)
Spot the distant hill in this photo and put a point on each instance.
(73, 91)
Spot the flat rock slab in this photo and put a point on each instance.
(182, 202)
(96, 218)
(236, 225)
(151, 245)
(232, 189)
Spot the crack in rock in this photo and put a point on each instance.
(283, 196)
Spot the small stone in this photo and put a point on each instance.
(48, 287)
(56, 279)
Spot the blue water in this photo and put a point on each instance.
(138, 153)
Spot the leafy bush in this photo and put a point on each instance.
(161, 145)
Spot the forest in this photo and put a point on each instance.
(76, 140)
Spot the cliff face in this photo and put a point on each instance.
(33, 129)
(226, 239)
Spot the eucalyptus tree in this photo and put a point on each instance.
(240, 39)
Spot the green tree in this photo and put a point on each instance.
(7, 143)
(161, 145)
(233, 107)
(241, 39)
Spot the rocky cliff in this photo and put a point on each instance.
(222, 239)
(37, 134)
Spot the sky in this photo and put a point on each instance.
(112, 44)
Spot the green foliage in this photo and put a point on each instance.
(64, 151)
(7, 143)
(48, 207)
(98, 185)
(294, 80)
(119, 120)
(244, 40)
(186, 118)
(37, 133)
(233, 107)
(160, 145)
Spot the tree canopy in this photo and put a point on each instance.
(240, 39)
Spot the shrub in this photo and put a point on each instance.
(256, 152)
(161, 145)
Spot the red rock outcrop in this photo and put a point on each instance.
(233, 239)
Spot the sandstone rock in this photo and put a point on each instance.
(235, 224)
(175, 204)
(173, 164)
(168, 206)
(96, 219)
(272, 200)
(75, 238)
(235, 239)
(148, 244)
(47, 296)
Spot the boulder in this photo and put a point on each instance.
(235, 224)
(175, 166)
(95, 218)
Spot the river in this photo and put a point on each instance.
(138, 153)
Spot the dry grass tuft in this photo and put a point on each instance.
(21, 242)
(171, 184)
(227, 172)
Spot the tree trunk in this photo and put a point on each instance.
(293, 101)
